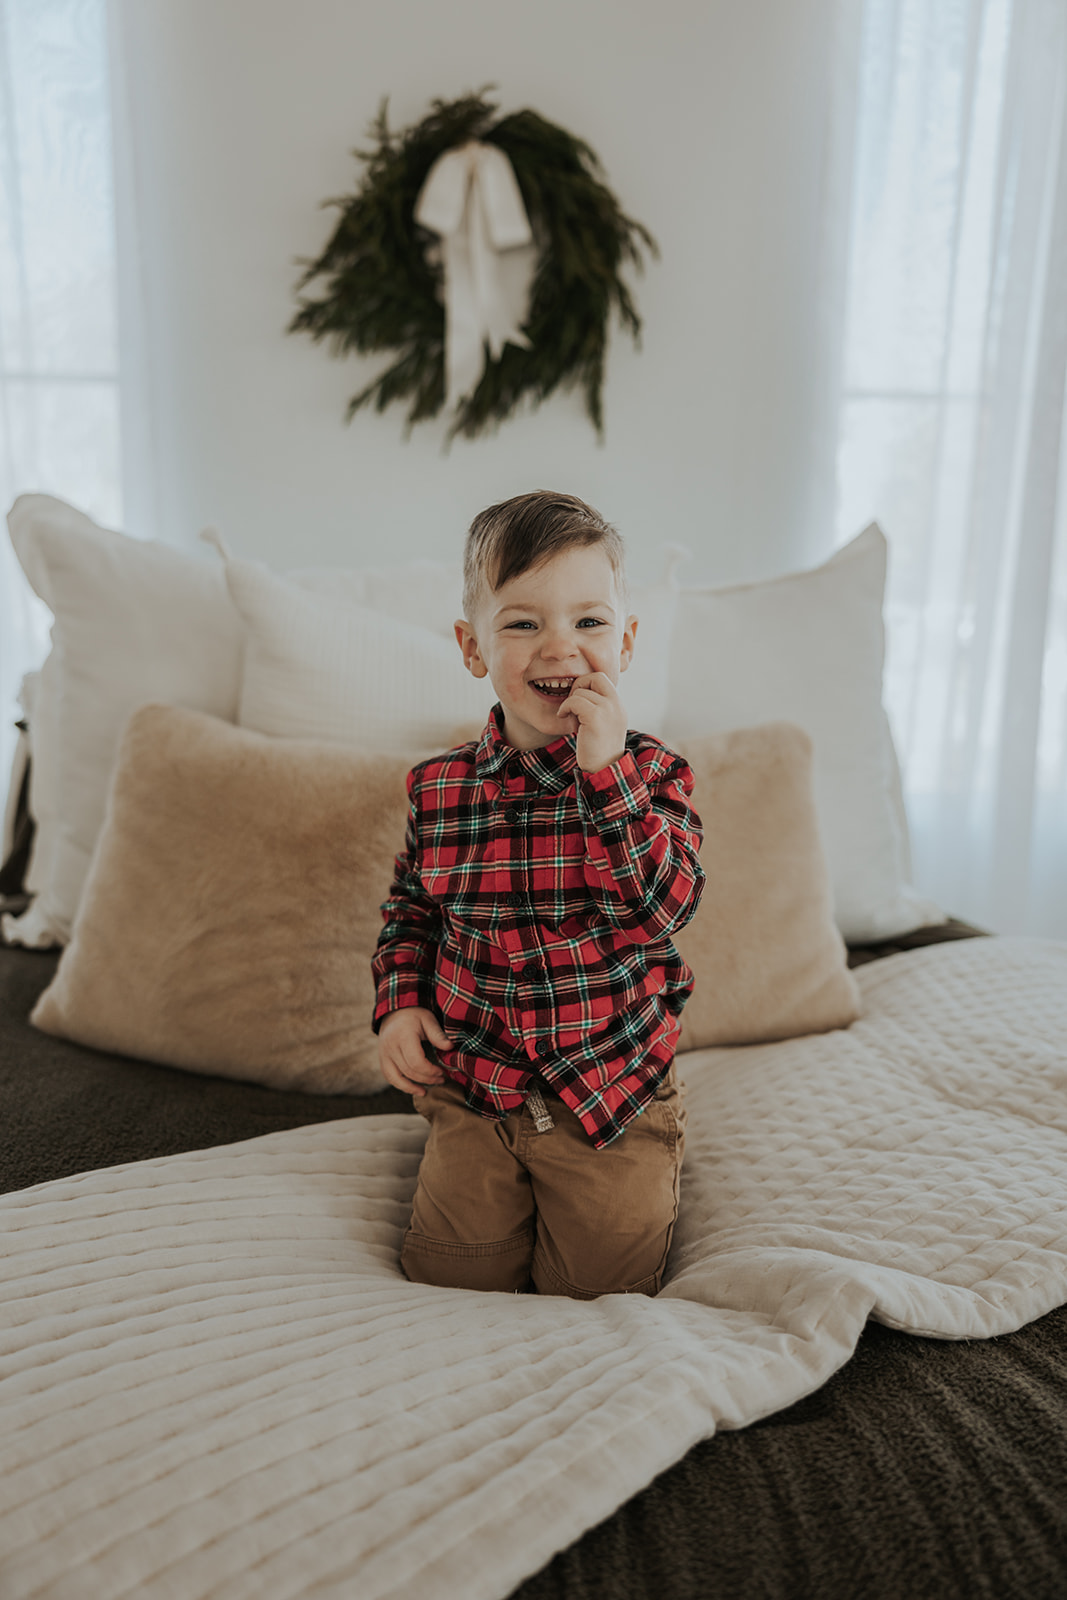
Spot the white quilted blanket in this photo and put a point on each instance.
(215, 1381)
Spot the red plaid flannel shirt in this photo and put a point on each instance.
(532, 910)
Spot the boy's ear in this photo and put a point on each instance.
(472, 658)
(628, 635)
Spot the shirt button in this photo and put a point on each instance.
(514, 899)
(513, 813)
(532, 969)
(544, 1047)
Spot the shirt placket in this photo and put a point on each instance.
(533, 1014)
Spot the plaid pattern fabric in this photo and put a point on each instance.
(532, 910)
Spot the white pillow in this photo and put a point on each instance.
(137, 621)
(645, 687)
(134, 621)
(323, 666)
(319, 666)
(808, 648)
(424, 594)
(429, 594)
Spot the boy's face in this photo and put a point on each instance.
(538, 632)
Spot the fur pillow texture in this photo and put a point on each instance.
(233, 903)
(766, 954)
(232, 906)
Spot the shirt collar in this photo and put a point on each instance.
(551, 766)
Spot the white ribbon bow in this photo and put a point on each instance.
(472, 200)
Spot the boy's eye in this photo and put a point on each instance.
(585, 622)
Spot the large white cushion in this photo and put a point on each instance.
(808, 648)
(320, 666)
(371, 660)
(425, 594)
(134, 621)
(137, 621)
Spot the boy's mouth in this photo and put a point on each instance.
(552, 688)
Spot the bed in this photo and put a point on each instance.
(920, 1468)
(214, 1382)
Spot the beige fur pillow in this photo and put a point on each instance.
(768, 960)
(232, 906)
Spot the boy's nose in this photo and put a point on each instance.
(557, 649)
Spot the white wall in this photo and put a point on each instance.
(710, 117)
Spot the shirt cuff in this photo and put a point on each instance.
(614, 794)
(398, 991)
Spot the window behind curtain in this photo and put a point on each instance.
(951, 433)
(59, 401)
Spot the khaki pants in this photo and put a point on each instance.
(501, 1206)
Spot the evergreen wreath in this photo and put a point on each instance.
(383, 292)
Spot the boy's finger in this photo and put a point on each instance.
(412, 1085)
(421, 1068)
(419, 1057)
(585, 702)
(400, 1080)
(598, 682)
(575, 688)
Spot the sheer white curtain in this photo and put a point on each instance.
(952, 433)
(59, 401)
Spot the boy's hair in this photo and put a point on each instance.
(517, 535)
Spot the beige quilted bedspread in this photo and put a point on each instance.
(215, 1382)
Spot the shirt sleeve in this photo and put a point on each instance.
(406, 955)
(642, 845)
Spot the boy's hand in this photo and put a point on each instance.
(401, 1056)
(595, 710)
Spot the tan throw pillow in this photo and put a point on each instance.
(232, 906)
(768, 960)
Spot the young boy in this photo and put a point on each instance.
(528, 991)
